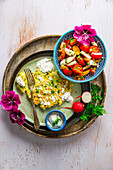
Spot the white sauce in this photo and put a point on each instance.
(20, 81)
(51, 120)
(45, 65)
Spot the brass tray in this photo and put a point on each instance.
(37, 45)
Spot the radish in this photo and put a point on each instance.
(69, 52)
(67, 60)
(85, 54)
(96, 56)
(92, 63)
(86, 97)
(77, 107)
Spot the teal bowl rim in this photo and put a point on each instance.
(61, 126)
(66, 77)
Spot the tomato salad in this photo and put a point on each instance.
(79, 60)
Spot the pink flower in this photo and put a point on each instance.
(16, 116)
(84, 34)
(10, 100)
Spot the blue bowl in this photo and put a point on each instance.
(102, 63)
(64, 118)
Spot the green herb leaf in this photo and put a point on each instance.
(58, 91)
(94, 107)
(95, 88)
(52, 91)
(37, 91)
(56, 85)
(55, 122)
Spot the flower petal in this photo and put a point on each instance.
(17, 99)
(4, 99)
(10, 94)
(78, 31)
(92, 32)
(16, 116)
(86, 27)
(91, 39)
(13, 118)
(20, 122)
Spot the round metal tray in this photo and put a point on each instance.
(46, 43)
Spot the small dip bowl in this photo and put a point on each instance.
(55, 120)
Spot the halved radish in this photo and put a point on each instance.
(96, 55)
(86, 97)
(85, 54)
(67, 60)
(71, 64)
(69, 52)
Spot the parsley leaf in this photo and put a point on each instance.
(94, 107)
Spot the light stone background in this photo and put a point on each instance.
(23, 20)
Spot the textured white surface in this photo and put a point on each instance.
(23, 20)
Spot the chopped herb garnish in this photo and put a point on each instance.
(79, 57)
(82, 77)
(52, 82)
(37, 91)
(52, 91)
(45, 86)
(49, 84)
(65, 60)
(62, 64)
(55, 122)
(58, 91)
(72, 39)
(64, 46)
(56, 85)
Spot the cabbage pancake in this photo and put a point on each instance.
(50, 89)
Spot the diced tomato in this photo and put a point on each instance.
(94, 49)
(69, 47)
(86, 59)
(64, 67)
(85, 48)
(76, 50)
(73, 41)
(62, 45)
(92, 70)
(67, 72)
(77, 69)
(84, 73)
(81, 78)
(80, 60)
(62, 55)
(71, 64)
(96, 56)
(67, 42)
